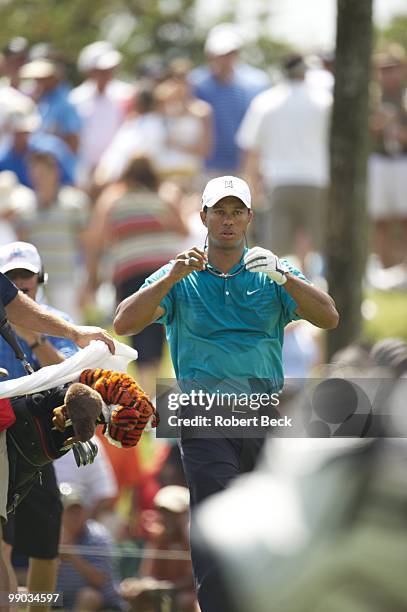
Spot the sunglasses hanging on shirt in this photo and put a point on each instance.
(224, 275)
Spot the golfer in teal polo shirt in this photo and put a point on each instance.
(224, 309)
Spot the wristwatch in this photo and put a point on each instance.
(37, 343)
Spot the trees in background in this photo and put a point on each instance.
(347, 219)
(144, 30)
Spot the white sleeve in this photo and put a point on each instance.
(115, 158)
(95, 355)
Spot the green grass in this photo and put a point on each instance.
(388, 315)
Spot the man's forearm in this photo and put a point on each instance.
(314, 305)
(23, 311)
(47, 354)
(140, 309)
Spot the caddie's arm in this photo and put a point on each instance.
(314, 305)
(25, 312)
(45, 352)
(143, 307)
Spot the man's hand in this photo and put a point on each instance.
(262, 260)
(187, 262)
(84, 334)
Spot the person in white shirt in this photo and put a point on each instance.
(97, 479)
(284, 135)
(143, 134)
(101, 101)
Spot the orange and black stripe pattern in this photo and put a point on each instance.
(132, 407)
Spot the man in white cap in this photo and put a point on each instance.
(22, 309)
(224, 310)
(228, 86)
(101, 101)
(58, 116)
(21, 263)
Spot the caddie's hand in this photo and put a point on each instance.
(187, 262)
(262, 260)
(86, 333)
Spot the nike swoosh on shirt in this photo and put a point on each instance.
(250, 292)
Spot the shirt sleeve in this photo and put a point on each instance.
(168, 302)
(289, 304)
(8, 290)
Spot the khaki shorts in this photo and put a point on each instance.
(293, 211)
(3, 475)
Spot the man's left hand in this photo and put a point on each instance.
(258, 259)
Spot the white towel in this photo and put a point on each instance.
(95, 355)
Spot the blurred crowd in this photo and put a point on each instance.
(104, 179)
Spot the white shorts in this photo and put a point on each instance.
(3, 475)
(387, 187)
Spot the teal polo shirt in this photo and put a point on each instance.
(227, 329)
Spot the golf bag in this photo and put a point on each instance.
(32, 442)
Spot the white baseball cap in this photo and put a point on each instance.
(224, 186)
(100, 55)
(223, 39)
(20, 255)
(23, 122)
(39, 69)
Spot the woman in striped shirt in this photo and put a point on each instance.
(137, 226)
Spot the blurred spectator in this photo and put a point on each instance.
(15, 152)
(12, 102)
(127, 468)
(101, 100)
(15, 200)
(139, 230)
(143, 134)
(56, 227)
(301, 351)
(388, 162)
(167, 531)
(228, 86)
(188, 123)
(285, 137)
(19, 126)
(321, 70)
(13, 57)
(85, 578)
(58, 115)
(97, 479)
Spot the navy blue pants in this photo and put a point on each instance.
(209, 466)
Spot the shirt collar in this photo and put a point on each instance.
(235, 267)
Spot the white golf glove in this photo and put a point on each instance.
(258, 259)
